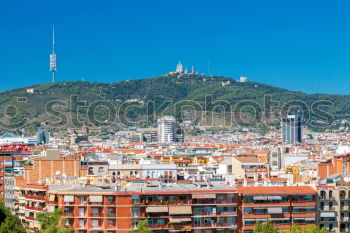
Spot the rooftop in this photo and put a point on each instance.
(276, 190)
(155, 187)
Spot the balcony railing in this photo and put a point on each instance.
(34, 197)
(68, 214)
(31, 218)
(227, 213)
(35, 208)
(96, 215)
(211, 225)
(158, 226)
(204, 202)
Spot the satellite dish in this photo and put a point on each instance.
(58, 172)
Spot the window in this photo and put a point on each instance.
(111, 222)
(81, 200)
(160, 221)
(81, 211)
(94, 223)
(135, 212)
(247, 210)
(94, 210)
(110, 199)
(309, 198)
(91, 171)
(81, 223)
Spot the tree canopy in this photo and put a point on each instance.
(269, 227)
(9, 223)
(50, 222)
(141, 228)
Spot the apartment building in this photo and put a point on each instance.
(281, 205)
(334, 208)
(6, 166)
(248, 167)
(32, 200)
(189, 207)
(51, 164)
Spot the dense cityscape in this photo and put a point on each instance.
(174, 116)
(179, 177)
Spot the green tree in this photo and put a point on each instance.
(12, 225)
(315, 229)
(267, 227)
(141, 228)
(309, 229)
(50, 222)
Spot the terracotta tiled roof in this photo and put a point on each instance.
(244, 159)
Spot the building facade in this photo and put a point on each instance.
(166, 129)
(291, 129)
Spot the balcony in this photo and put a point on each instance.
(164, 202)
(180, 227)
(253, 170)
(327, 197)
(39, 198)
(31, 218)
(68, 214)
(227, 213)
(214, 225)
(203, 213)
(96, 215)
(158, 226)
(111, 215)
(212, 202)
(34, 208)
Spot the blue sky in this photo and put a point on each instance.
(294, 44)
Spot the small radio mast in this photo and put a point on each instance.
(53, 68)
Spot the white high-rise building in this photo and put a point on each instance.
(167, 129)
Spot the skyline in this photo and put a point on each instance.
(293, 45)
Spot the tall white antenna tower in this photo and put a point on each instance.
(53, 68)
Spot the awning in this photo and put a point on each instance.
(260, 198)
(52, 197)
(275, 210)
(180, 210)
(273, 198)
(68, 198)
(327, 214)
(95, 198)
(156, 209)
(204, 196)
(179, 220)
(51, 208)
(306, 219)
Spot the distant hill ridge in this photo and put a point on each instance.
(170, 89)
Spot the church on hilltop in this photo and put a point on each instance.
(181, 71)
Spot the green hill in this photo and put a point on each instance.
(131, 101)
